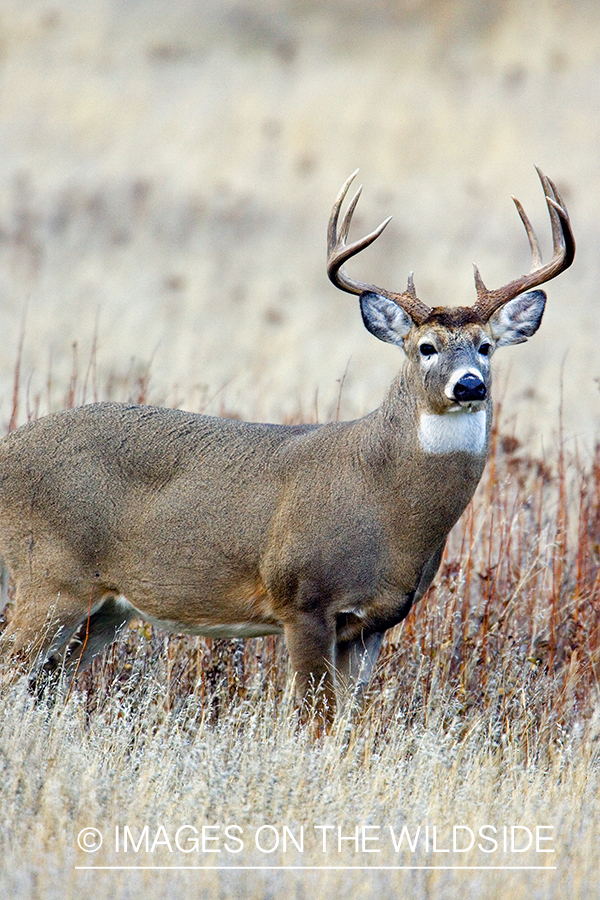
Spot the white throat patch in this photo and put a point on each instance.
(453, 432)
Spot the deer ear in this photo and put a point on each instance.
(518, 319)
(384, 318)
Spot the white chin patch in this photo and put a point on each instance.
(453, 432)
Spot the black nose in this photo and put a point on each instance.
(469, 387)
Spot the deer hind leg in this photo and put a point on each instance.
(354, 663)
(41, 620)
(92, 634)
(45, 635)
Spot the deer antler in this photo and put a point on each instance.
(564, 252)
(338, 252)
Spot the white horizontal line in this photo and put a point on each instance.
(324, 868)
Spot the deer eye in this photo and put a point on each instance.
(427, 350)
(485, 349)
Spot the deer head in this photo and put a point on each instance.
(451, 347)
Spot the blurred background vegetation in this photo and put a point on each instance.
(168, 168)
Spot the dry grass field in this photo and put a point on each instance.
(482, 716)
(165, 181)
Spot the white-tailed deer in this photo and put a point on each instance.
(325, 533)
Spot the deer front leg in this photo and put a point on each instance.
(354, 663)
(310, 642)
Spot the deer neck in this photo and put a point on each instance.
(418, 430)
(421, 464)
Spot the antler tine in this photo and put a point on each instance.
(332, 235)
(563, 244)
(552, 203)
(536, 253)
(349, 213)
(337, 249)
(338, 252)
(556, 206)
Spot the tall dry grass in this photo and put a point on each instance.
(482, 711)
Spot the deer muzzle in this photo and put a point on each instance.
(469, 388)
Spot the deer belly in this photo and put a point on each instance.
(242, 612)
